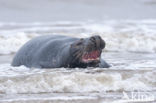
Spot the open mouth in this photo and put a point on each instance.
(91, 56)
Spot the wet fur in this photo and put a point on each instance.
(51, 51)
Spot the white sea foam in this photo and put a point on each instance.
(130, 35)
(129, 71)
(25, 80)
(133, 36)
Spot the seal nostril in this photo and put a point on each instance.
(99, 37)
(102, 44)
(97, 42)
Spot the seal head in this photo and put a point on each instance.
(87, 52)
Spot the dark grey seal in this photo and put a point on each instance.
(53, 51)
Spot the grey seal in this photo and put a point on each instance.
(55, 51)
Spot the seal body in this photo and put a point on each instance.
(53, 51)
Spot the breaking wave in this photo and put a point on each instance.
(130, 35)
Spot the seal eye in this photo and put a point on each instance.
(92, 39)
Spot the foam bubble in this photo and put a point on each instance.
(25, 80)
(127, 35)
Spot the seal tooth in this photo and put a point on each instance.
(97, 58)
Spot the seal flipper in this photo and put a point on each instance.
(103, 64)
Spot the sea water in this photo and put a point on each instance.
(130, 50)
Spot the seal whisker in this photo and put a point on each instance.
(76, 53)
